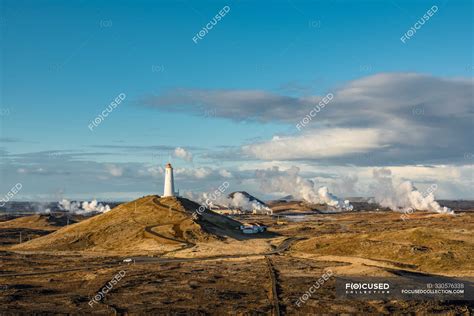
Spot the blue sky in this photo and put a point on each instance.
(63, 62)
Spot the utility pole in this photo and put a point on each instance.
(20, 237)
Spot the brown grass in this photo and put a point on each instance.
(123, 228)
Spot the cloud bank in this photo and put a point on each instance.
(400, 118)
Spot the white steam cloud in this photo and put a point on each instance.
(237, 201)
(240, 201)
(42, 210)
(403, 196)
(289, 182)
(84, 207)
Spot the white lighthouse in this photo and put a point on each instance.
(169, 181)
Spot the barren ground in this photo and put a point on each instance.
(232, 276)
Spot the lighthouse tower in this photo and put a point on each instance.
(169, 181)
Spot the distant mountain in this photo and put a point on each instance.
(250, 197)
(359, 199)
(287, 198)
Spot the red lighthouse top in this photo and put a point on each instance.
(168, 165)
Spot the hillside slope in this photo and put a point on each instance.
(37, 221)
(148, 223)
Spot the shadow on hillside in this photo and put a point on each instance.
(13, 236)
(216, 224)
(226, 227)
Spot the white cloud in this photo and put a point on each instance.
(417, 118)
(317, 143)
(225, 173)
(153, 171)
(196, 173)
(183, 154)
(114, 170)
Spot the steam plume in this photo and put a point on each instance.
(242, 202)
(404, 195)
(237, 201)
(290, 182)
(84, 207)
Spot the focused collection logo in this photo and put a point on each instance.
(367, 288)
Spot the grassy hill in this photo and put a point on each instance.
(148, 223)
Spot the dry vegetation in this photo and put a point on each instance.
(131, 227)
(62, 271)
